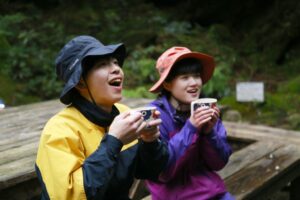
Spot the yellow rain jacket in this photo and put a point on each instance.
(76, 159)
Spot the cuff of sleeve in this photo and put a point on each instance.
(113, 144)
(151, 145)
(190, 126)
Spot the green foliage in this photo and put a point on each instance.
(291, 85)
(249, 109)
(283, 102)
(27, 55)
(32, 33)
(12, 94)
(294, 121)
(8, 89)
(279, 109)
(180, 28)
(218, 85)
(139, 92)
(140, 68)
(29, 51)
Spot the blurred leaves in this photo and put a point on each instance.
(246, 45)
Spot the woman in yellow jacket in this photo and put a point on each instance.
(95, 147)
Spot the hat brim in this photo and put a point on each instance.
(208, 66)
(117, 50)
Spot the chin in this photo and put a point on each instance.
(194, 98)
(117, 99)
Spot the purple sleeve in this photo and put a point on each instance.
(215, 145)
(213, 148)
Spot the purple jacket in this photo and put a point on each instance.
(193, 160)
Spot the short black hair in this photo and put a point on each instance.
(185, 66)
(88, 63)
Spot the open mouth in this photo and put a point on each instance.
(192, 91)
(115, 82)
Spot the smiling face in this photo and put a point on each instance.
(185, 88)
(105, 81)
(184, 82)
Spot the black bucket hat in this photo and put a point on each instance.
(69, 60)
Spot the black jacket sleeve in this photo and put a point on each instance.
(98, 168)
(151, 159)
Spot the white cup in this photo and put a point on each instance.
(148, 112)
(203, 102)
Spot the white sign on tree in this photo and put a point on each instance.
(250, 91)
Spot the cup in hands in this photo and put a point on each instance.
(203, 102)
(148, 113)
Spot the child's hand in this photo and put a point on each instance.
(207, 128)
(201, 116)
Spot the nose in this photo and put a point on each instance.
(195, 81)
(115, 68)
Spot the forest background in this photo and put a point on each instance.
(251, 41)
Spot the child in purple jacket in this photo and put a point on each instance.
(197, 143)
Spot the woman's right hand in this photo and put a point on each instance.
(126, 126)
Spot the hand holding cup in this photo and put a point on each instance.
(125, 126)
(148, 130)
(204, 113)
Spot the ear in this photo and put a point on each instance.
(80, 85)
(167, 86)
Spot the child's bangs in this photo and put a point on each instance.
(185, 66)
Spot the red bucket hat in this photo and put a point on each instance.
(166, 61)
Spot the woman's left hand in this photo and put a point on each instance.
(207, 128)
(149, 131)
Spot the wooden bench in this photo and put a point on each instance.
(265, 160)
